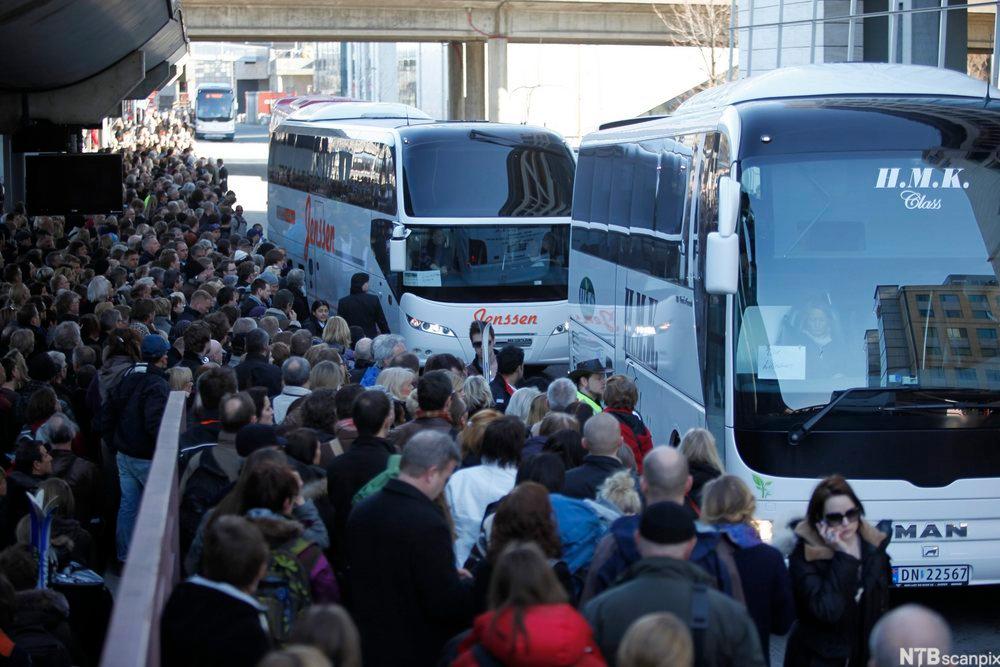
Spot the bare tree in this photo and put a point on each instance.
(705, 25)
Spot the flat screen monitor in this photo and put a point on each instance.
(64, 183)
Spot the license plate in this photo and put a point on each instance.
(519, 342)
(933, 575)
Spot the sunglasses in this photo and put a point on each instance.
(837, 518)
(477, 344)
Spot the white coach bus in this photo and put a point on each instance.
(454, 222)
(215, 111)
(805, 262)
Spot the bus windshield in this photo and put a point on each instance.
(865, 271)
(488, 262)
(214, 105)
(481, 175)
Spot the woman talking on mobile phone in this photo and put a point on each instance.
(840, 577)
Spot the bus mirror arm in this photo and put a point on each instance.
(397, 248)
(729, 205)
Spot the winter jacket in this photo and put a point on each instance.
(363, 310)
(210, 473)
(580, 530)
(212, 624)
(767, 587)
(554, 635)
(399, 436)
(701, 474)
(11, 653)
(634, 433)
(280, 530)
(84, 478)
(533, 445)
(41, 628)
(407, 598)
(838, 597)
(111, 373)
(347, 473)
(584, 480)
(501, 395)
(617, 552)
(284, 400)
(667, 584)
(203, 429)
(257, 371)
(131, 420)
(468, 492)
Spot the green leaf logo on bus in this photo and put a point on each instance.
(763, 486)
(588, 298)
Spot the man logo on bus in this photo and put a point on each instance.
(588, 298)
(318, 232)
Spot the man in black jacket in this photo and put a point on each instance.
(401, 559)
(373, 416)
(362, 309)
(510, 370)
(601, 438)
(213, 620)
(131, 423)
(256, 369)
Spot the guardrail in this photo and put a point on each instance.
(153, 565)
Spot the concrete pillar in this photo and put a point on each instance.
(475, 81)
(497, 79)
(387, 69)
(456, 81)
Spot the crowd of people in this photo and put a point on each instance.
(343, 503)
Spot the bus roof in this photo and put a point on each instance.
(334, 111)
(841, 80)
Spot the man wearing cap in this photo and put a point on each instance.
(130, 422)
(665, 581)
(589, 376)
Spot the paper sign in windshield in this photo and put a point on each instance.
(781, 362)
(422, 278)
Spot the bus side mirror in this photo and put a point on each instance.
(397, 248)
(722, 263)
(729, 205)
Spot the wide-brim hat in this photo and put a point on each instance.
(591, 367)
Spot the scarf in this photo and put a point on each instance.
(430, 414)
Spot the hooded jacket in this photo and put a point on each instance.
(667, 584)
(634, 433)
(279, 530)
(838, 597)
(555, 635)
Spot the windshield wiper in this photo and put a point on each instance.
(798, 434)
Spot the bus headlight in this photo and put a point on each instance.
(430, 327)
(562, 328)
(765, 529)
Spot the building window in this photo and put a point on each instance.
(949, 300)
(981, 315)
(966, 374)
(986, 335)
(992, 375)
(954, 314)
(923, 298)
(978, 299)
(958, 334)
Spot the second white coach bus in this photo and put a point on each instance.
(805, 262)
(215, 111)
(454, 222)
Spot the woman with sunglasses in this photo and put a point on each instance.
(840, 578)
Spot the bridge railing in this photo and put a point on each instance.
(153, 565)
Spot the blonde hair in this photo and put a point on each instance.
(698, 446)
(519, 404)
(471, 438)
(619, 490)
(538, 409)
(179, 376)
(477, 393)
(394, 379)
(727, 499)
(336, 331)
(656, 640)
(326, 375)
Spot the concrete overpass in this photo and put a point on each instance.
(473, 28)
